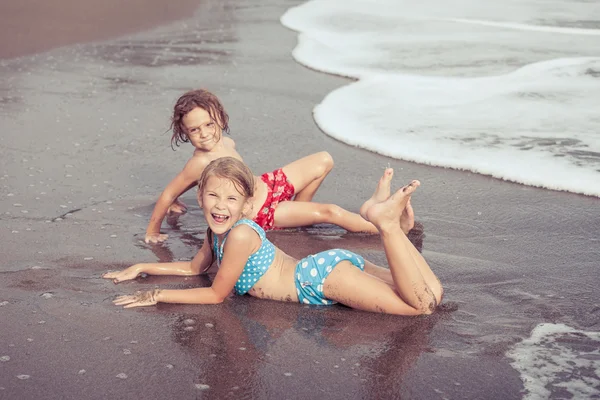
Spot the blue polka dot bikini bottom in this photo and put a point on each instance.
(312, 271)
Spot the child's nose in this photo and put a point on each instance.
(205, 132)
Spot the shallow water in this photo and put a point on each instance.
(504, 89)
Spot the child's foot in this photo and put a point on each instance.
(382, 192)
(386, 214)
(177, 208)
(407, 219)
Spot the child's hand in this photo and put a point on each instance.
(120, 276)
(155, 237)
(177, 208)
(138, 299)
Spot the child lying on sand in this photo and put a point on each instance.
(249, 263)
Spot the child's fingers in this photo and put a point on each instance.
(156, 238)
(126, 299)
(139, 299)
(138, 304)
(115, 276)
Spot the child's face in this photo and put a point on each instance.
(222, 204)
(203, 131)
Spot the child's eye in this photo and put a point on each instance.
(232, 198)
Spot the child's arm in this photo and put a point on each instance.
(184, 181)
(241, 243)
(199, 264)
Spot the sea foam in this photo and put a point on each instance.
(509, 91)
(557, 359)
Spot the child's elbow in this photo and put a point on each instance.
(217, 298)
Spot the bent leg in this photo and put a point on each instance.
(292, 214)
(385, 275)
(307, 174)
(379, 272)
(354, 288)
(415, 282)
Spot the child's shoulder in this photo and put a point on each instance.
(246, 227)
(199, 160)
(244, 233)
(228, 141)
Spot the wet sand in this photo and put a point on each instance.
(84, 155)
(31, 26)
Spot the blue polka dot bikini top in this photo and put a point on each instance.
(258, 263)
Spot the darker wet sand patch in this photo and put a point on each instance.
(31, 26)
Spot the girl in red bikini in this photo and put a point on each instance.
(199, 118)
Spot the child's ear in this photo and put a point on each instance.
(247, 210)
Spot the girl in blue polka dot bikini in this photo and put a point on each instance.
(249, 263)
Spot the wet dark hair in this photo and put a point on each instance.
(187, 102)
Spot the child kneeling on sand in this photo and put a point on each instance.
(249, 263)
(199, 118)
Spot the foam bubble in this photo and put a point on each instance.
(558, 358)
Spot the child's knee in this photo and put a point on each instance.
(435, 299)
(439, 293)
(325, 161)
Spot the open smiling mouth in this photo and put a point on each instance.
(219, 218)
